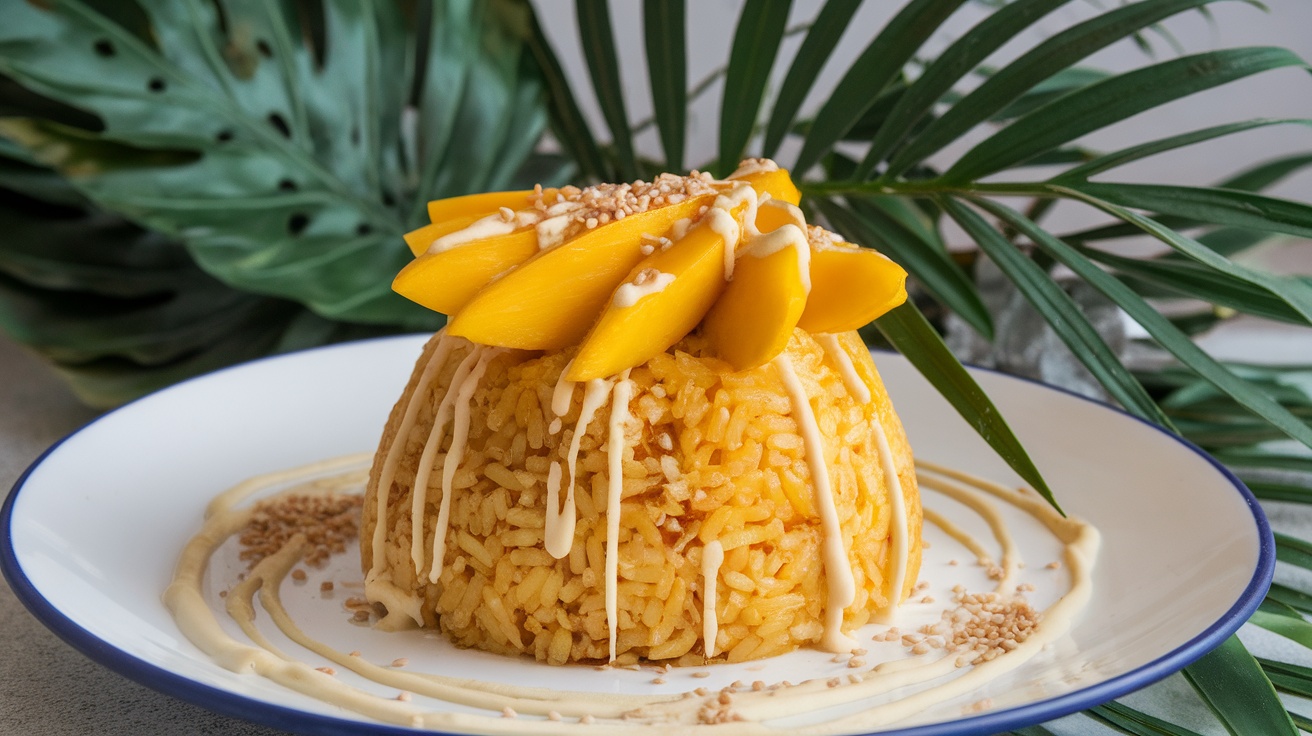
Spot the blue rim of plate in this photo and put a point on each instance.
(299, 721)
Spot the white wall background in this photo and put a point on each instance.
(1279, 93)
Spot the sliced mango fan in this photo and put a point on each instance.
(627, 270)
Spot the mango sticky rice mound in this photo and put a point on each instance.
(648, 431)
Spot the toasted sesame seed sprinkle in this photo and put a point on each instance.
(329, 523)
(400, 662)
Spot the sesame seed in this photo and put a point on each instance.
(587, 719)
(326, 586)
(508, 712)
(1054, 565)
(327, 671)
(403, 696)
(400, 662)
(553, 715)
(298, 575)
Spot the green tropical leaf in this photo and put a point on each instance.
(664, 28)
(1194, 280)
(1289, 678)
(120, 311)
(1062, 83)
(1232, 684)
(947, 69)
(907, 330)
(1110, 101)
(755, 45)
(1295, 599)
(1166, 334)
(1062, 314)
(1269, 172)
(1031, 68)
(290, 176)
(598, 42)
(1234, 208)
(874, 69)
(1128, 720)
(567, 121)
(1284, 620)
(1295, 293)
(1293, 550)
(1259, 180)
(819, 44)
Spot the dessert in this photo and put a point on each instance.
(648, 430)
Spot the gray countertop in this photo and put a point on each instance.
(46, 687)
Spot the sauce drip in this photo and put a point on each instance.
(856, 388)
(464, 392)
(619, 416)
(841, 585)
(712, 558)
(560, 522)
(387, 473)
(629, 293)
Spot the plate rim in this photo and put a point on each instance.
(291, 719)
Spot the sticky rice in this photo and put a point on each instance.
(709, 457)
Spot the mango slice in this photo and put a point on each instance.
(551, 301)
(458, 213)
(446, 281)
(684, 281)
(851, 287)
(753, 319)
(774, 214)
(474, 206)
(778, 183)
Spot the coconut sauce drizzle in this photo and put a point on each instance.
(712, 559)
(619, 416)
(899, 531)
(385, 475)
(486, 227)
(436, 435)
(856, 387)
(898, 534)
(785, 236)
(629, 293)
(841, 585)
(459, 437)
(559, 526)
(939, 679)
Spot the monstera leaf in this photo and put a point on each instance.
(262, 160)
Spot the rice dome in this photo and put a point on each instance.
(713, 464)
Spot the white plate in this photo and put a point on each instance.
(94, 528)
